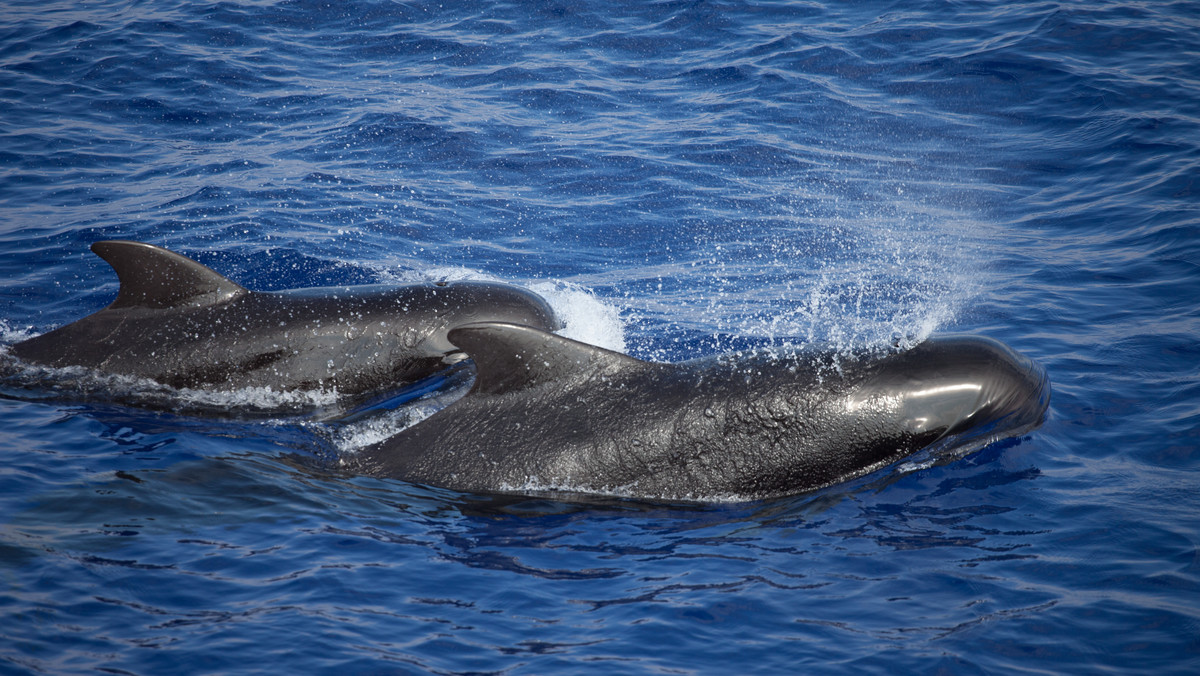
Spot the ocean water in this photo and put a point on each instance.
(680, 179)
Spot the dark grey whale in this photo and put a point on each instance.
(182, 324)
(548, 413)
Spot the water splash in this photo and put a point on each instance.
(10, 335)
(884, 288)
(854, 277)
(586, 317)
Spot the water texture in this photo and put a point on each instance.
(680, 179)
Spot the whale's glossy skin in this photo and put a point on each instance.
(550, 413)
(180, 323)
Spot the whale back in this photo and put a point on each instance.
(549, 413)
(182, 324)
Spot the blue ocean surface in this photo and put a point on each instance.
(679, 179)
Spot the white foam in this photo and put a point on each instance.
(586, 317)
(9, 335)
(358, 435)
(94, 385)
(352, 437)
(262, 398)
(629, 491)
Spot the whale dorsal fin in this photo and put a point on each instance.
(510, 357)
(153, 277)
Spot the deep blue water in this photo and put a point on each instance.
(680, 179)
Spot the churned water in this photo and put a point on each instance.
(679, 179)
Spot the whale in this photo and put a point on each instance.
(549, 414)
(182, 324)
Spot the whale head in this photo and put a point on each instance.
(957, 391)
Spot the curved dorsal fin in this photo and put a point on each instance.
(153, 277)
(510, 357)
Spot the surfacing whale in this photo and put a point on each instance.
(551, 414)
(182, 324)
